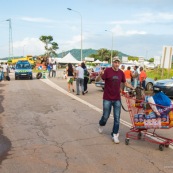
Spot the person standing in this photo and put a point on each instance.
(49, 68)
(79, 79)
(128, 76)
(135, 76)
(113, 77)
(54, 70)
(142, 77)
(70, 77)
(5, 70)
(86, 77)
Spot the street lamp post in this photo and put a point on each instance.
(112, 44)
(81, 28)
(10, 39)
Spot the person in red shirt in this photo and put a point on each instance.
(142, 77)
(113, 77)
(128, 76)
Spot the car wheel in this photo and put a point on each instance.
(149, 86)
(15, 77)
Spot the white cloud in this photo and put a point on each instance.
(31, 46)
(34, 19)
(119, 31)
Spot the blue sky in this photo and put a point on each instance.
(139, 28)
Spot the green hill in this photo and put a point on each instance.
(86, 53)
(77, 53)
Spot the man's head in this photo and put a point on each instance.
(141, 68)
(116, 59)
(116, 63)
(135, 67)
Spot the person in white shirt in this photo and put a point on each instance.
(79, 79)
(54, 70)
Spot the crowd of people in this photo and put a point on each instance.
(81, 75)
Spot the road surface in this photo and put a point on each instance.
(45, 129)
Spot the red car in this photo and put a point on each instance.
(94, 73)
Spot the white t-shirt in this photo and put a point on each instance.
(54, 67)
(80, 73)
(5, 67)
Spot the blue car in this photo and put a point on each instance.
(23, 69)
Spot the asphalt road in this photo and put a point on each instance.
(45, 129)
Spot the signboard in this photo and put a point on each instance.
(166, 59)
(89, 59)
(124, 59)
(157, 60)
(141, 61)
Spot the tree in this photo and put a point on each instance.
(103, 54)
(151, 60)
(50, 46)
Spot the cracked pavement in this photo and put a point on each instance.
(49, 132)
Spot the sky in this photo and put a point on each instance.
(137, 28)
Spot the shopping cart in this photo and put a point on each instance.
(144, 120)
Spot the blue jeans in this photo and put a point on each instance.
(79, 82)
(107, 106)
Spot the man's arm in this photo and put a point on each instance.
(129, 85)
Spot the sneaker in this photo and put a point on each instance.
(115, 138)
(100, 129)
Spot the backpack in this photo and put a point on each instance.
(86, 73)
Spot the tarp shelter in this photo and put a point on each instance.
(69, 58)
(97, 61)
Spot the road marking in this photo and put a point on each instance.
(127, 124)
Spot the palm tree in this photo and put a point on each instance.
(103, 53)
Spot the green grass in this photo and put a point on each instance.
(36, 71)
(157, 73)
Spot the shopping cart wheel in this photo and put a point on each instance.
(161, 147)
(127, 141)
(139, 135)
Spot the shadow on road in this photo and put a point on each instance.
(5, 143)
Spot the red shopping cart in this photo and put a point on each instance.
(144, 120)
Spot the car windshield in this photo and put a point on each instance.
(23, 66)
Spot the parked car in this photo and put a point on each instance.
(165, 85)
(95, 71)
(148, 84)
(23, 69)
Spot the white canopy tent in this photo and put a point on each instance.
(69, 58)
(97, 62)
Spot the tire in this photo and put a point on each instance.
(39, 75)
(149, 86)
